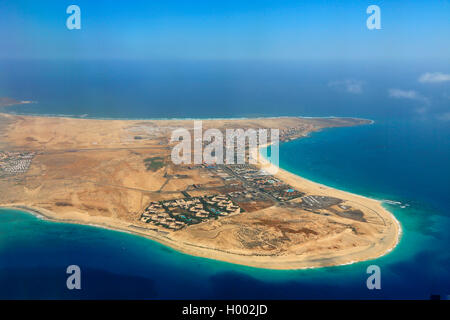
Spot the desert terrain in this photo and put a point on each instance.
(118, 174)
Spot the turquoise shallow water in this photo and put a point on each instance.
(404, 157)
(399, 160)
(34, 253)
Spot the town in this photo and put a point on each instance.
(13, 163)
(247, 187)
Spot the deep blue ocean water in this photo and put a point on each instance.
(404, 156)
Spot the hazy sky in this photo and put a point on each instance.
(226, 29)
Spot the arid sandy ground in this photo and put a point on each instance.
(93, 172)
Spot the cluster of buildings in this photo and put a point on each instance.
(222, 174)
(287, 134)
(12, 163)
(247, 195)
(156, 214)
(178, 213)
(190, 206)
(321, 202)
(221, 205)
(281, 192)
(265, 183)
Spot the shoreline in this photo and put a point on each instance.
(262, 262)
(82, 117)
(283, 174)
(391, 233)
(291, 178)
(199, 251)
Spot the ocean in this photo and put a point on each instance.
(403, 158)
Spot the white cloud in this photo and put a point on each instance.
(408, 94)
(444, 116)
(405, 94)
(350, 86)
(434, 77)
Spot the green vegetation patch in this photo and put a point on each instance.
(153, 164)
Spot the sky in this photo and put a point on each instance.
(226, 30)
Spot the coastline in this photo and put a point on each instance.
(86, 117)
(385, 245)
(5, 102)
(322, 189)
(260, 262)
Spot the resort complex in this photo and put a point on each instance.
(13, 163)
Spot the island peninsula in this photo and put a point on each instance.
(118, 174)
